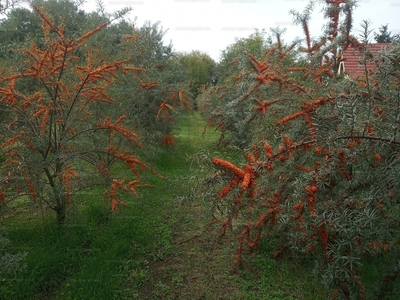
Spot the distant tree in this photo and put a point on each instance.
(385, 36)
(200, 69)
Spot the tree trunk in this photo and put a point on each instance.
(61, 210)
(61, 207)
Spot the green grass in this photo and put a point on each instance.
(159, 247)
(99, 255)
(280, 279)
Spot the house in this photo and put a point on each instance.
(351, 59)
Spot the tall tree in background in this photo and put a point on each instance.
(200, 69)
(385, 36)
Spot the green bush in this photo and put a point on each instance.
(320, 168)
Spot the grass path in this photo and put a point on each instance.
(190, 268)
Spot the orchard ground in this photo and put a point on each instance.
(161, 246)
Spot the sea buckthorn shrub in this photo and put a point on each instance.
(66, 116)
(321, 167)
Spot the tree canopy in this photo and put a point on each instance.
(385, 36)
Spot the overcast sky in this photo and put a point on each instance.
(212, 25)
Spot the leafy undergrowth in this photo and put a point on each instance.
(159, 247)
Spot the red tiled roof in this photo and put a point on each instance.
(353, 57)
